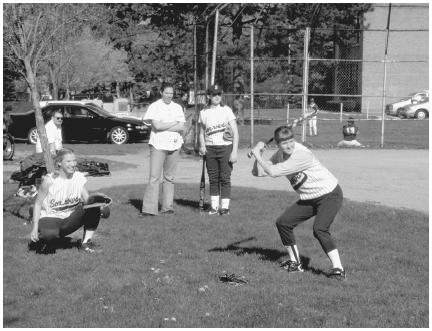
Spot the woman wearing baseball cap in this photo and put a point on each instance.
(218, 138)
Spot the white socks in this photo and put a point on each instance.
(88, 234)
(335, 259)
(214, 200)
(293, 253)
(225, 203)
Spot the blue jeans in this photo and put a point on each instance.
(162, 163)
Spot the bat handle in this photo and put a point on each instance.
(249, 155)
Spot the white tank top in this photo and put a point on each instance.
(64, 195)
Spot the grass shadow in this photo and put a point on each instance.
(193, 204)
(42, 247)
(265, 254)
(137, 203)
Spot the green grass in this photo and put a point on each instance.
(154, 270)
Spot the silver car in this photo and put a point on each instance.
(419, 111)
(395, 109)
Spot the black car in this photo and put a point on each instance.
(81, 122)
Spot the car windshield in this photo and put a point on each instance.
(99, 110)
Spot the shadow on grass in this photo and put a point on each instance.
(42, 247)
(193, 204)
(265, 254)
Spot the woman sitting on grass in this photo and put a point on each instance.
(58, 210)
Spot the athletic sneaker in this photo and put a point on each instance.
(88, 247)
(213, 211)
(336, 273)
(224, 211)
(292, 266)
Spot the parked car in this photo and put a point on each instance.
(394, 109)
(418, 110)
(82, 122)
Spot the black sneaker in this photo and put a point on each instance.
(88, 247)
(213, 211)
(144, 214)
(336, 273)
(292, 266)
(224, 211)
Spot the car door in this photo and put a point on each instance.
(77, 123)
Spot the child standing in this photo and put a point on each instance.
(220, 151)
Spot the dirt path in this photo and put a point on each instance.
(397, 178)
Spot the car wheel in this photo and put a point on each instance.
(32, 136)
(421, 114)
(398, 112)
(118, 135)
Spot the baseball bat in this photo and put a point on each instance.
(249, 155)
(296, 122)
(202, 185)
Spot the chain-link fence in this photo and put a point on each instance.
(270, 75)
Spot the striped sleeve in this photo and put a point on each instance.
(299, 161)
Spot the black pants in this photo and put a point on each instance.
(51, 228)
(323, 208)
(219, 170)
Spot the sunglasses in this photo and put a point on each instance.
(59, 118)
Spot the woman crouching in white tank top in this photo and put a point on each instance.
(58, 210)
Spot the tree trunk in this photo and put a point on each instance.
(54, 92)
(40, 125)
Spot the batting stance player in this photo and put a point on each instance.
(320, 196)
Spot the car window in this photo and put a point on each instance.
(48, 111)
(78, 111)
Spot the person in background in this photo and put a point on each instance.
(312, 122)
(54, 133)
(238, 109)
(219, 149)
(350, 132)
(167, 120)
(58, 210)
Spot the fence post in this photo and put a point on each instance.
(287, 113)
(213, 69)
(196, 133)
(341, 111)
(252, 88)
(385, 77)
(305, 78)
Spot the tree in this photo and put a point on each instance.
(30, 32)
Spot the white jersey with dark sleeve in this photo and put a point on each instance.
(308, 177)
(215, 120)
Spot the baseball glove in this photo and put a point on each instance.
(228, 133)
(232, 279)
(99, 200)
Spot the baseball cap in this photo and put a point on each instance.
(214, 89)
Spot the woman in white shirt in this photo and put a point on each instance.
(167, 121)
(58, 210)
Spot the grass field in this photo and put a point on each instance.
(163, 271)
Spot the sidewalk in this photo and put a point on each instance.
(394, 178)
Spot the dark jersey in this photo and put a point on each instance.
(350, 132)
